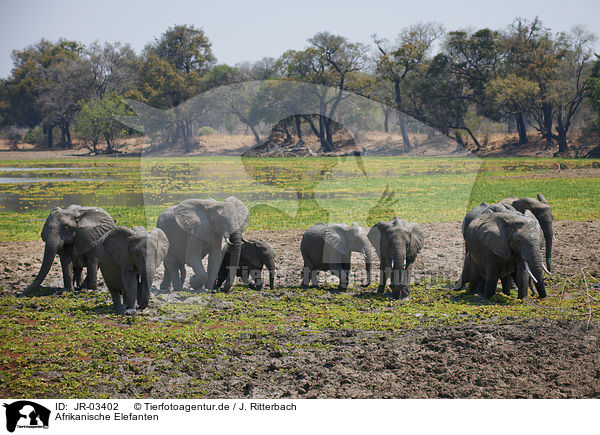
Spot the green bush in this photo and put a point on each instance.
(205, 131)
(34, 136)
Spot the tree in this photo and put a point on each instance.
(30, 78)
(172, 72)
(113, 67)
(532, 56)
(570, 88)
(396, 61)
(96, 121)
(329, 61)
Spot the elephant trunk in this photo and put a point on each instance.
(145, 285)
(49, 254)
(533, 261)
(234, 258)
(271, 266)
(549, 253)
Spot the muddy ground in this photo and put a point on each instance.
(529, 359)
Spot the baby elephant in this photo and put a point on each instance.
(128, 260)
(330, 247)
(254, 255)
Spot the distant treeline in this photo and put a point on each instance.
(542, 83)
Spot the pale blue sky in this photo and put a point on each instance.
(251, 30)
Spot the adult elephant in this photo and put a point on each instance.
(397, 243)
(330, 247)
(128, 260)
(197, 228)
(73, 233)
(502, 245)
(543, 213)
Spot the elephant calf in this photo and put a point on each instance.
(397, 243)
(254, 255)
(329, 247)
(128, 260)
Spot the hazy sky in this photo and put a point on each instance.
(250, 30)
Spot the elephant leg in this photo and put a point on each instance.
(116, 299)
(172, 273)
(491, 280)
(306, 272)
(66, 263)
(143, 294)
(166, 281)
(256, 274)
(91, 279)
(385, 270)
(130, 289)
(522, 281)
(314, 278)
(507, 283)
(344, 271)
(405, 283)
(77, 272)
(215, 258)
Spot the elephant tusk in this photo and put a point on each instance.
(404, 263)
(529, 272)
(546, 270)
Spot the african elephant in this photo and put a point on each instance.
(254, 255)
(543, 213)
(199, 227)
(128, 260)
(397, 243)
(330, 247)
(505, 245)
(73, 233)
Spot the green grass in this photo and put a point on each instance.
(330, 189)
(71, 345)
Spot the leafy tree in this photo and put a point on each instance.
(397, 61)
(96, 122)
(113, 67)
(533, 57)
(329, 60)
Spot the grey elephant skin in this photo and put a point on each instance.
(397, 244)
(73, 233)
(128, 260)
(255, 255)
(329, 247)
(197, 228)
(543, 213)
(503, 244)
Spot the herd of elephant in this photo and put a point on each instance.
(503, 242)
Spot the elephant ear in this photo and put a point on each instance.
(486, 231)
(417, 240)
(116, 244)
(336, 238)
(241, 216)
(192, 216)
(92, 224)
(541, 198)
(162, 245)
(374, 236)
(46, 228)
